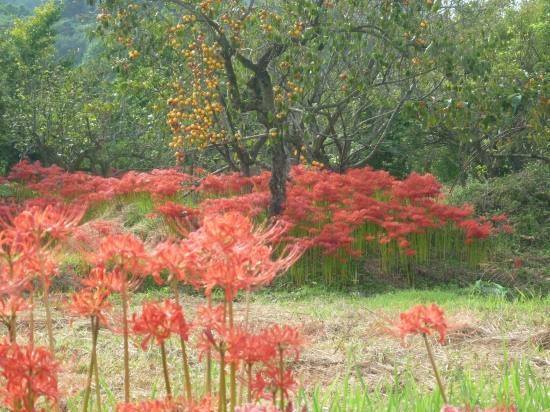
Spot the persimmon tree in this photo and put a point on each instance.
(270, 83)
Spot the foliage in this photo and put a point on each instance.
(492, 111)
(325, 81)
(78, 118)
(524, 196)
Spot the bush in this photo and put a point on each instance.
(523, 196)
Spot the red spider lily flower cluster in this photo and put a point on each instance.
(344, 215)
(333, 212)
(53, 222)
(159, 321)
(11, 308)
(29, 240)
(420, 319)
(28, 374)
(103, 280)
(172, 257)
(88, 303)
(125, 252)
(56, 186)
(268, 350)
(270, 381)
(228, 252)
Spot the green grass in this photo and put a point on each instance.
(518, 385)
(349, 363)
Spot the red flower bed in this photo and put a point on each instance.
(337, 216)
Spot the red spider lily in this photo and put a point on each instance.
(16, 253)
(127, 255)
(124, 251)
(176, 211)
(218, 185)
(11, 308)
(421, 319)
(416, 187)
(43, 266)
(33, 232)
(284, 339)
(256, 348)
(14, 246)
(88, 303)
(14, 278)
(227, 252)
(269, 381)
(50, 222)
(29, 374)
(208, 316)
(104, 281)
(169, 256)
(224, 341)
(159, 321)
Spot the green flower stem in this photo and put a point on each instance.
(126, 349)
(241, 384)
(222, 404)
(434, 367)
(282, 372)
(30, 403)
(182, 341)
(93, 363)
(208, 369)
(232, 367)
(46, 297)
(249, 394)
(165, 370)
(96, 372)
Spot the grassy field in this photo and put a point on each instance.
(350, 361)
(496, 355)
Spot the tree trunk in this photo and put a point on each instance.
(277, 182)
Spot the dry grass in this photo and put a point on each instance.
(332, 327)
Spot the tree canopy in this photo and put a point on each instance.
(455, 88)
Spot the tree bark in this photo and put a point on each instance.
(277, 182)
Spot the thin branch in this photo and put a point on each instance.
(524, 155)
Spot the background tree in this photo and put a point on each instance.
(268, 83)
(492, 113)
(82, 118)
(426, 86)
